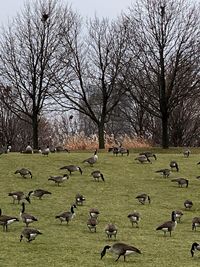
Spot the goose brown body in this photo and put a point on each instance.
(120, 249)
(111, 230)
(39, 193)
(72, 168)
(6, 220)
(24, 172)
(97, 175)
(181, 182)
(67, 215)
(18, 196)
(142, 198)
(59, 179)
(26, 217)
(30, 234)
(168, 226)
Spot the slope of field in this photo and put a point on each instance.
(125, 178)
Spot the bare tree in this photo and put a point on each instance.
(30, 52)
(164, 55)
(96, 84)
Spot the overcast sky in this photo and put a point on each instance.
(106, 8)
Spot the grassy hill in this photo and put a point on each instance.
(125, 178)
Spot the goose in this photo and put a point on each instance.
(165, 172)
(195, 223)
(186, 153)
(178, 215)
(116, 151)
(39, 193)
(59, 179)
(67, 215)
(143, 159)
(174, 165)
(121, 249)
(24, 172)
(168, 226)
(111, 230)
(188, 204)
(142, 198)
(134, 218)
(19, 195)
(113, 148)
(97, 174)
(94, 213)
(72, 168)
(6, 220)
(195, 246)
(27, 218)
(92, 224)
(149, 154)
(181, 181)
(123, 151)
(30, 234)
(46, 151)
(92, 160)
(79, 199)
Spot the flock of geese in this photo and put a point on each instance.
(118, 248)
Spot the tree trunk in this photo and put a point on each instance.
(35, 132)
(101, 136)
(165, 133)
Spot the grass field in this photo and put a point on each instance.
(73, 244)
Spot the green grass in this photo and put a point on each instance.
(73, 244)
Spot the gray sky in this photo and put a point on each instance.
(106, 8)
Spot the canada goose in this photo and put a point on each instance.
(79, 199)
(97, 174)
(111, 149)
(186, 153)
(168, 226)
(92, 224)
(195, 246)
(142, 198)
(174, 165)
(30, 234)
(19, 195)
(178, 215)
(123, 151)
(188, 204)
(39, 193)
(5, 220)
(59, 179)
(181, 181)
(148, 154)
(195, 223)
(72, 168)
(67, 215)
(46, 151)
(94, 213)
(120, 249)
(24, 172)
(92, 160)
(143, 159)
(134, 218)
(111, 230)
(27, 218)
(115, 151)
(165, 172)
